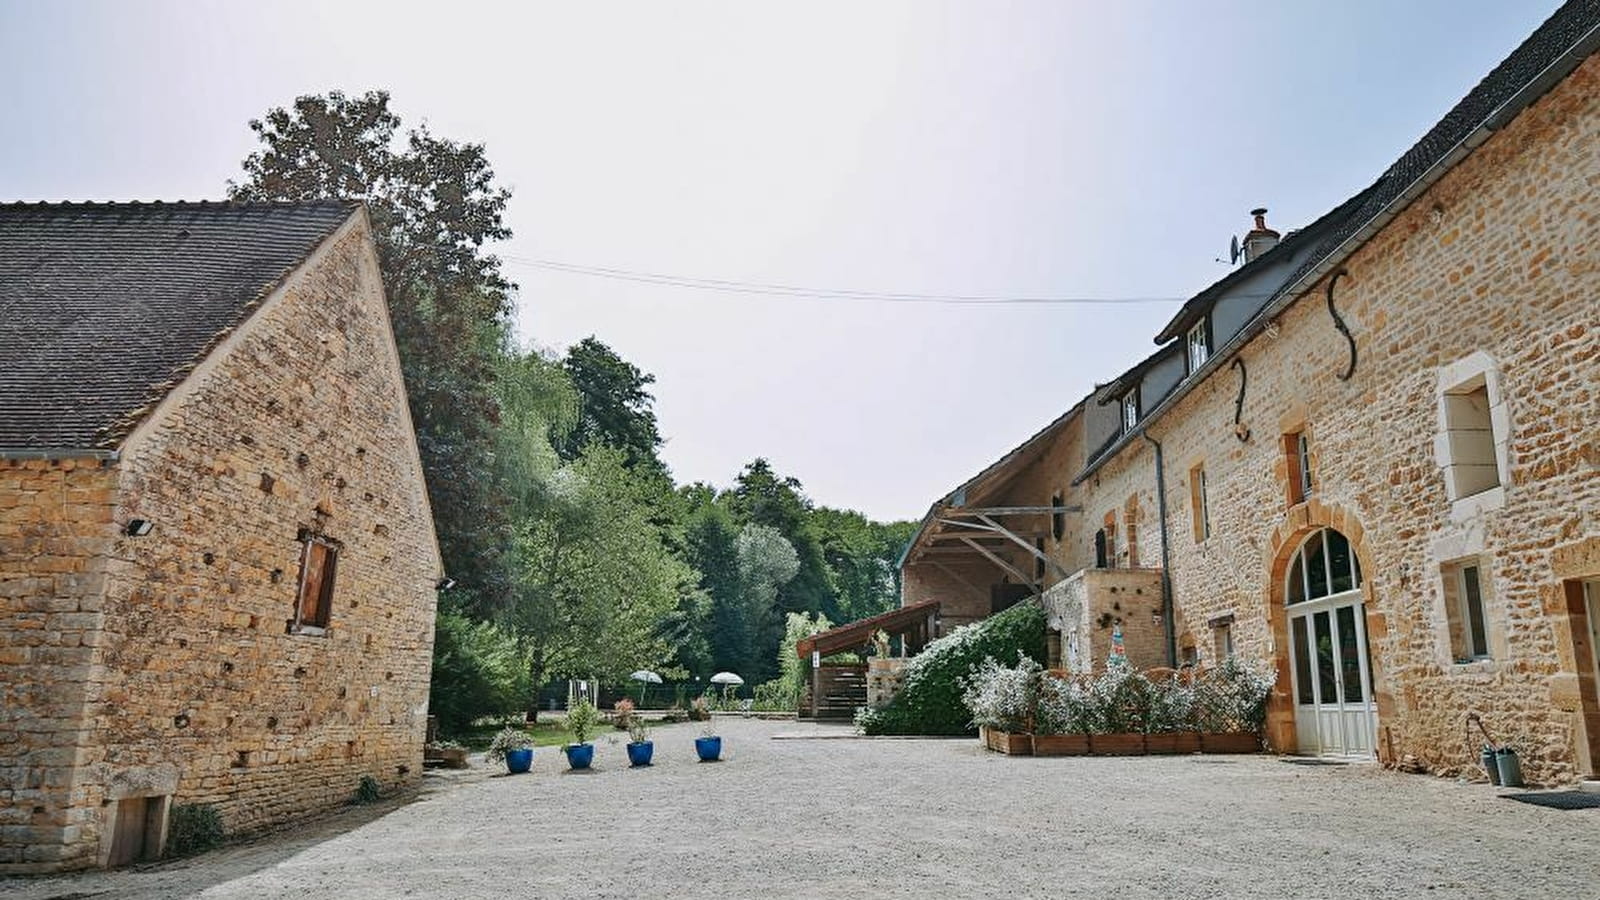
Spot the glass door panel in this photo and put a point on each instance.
(1302, 661)
(1349, 655)
(1326, 680)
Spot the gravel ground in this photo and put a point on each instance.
(901, 818)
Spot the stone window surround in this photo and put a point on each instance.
(1452, 378)
(1465, 548)
(1199, 503)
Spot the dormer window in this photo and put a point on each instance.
(1130, 410)
(1199, 345)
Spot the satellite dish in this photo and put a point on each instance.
(1233, 250)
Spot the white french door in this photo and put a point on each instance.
(1334, 714)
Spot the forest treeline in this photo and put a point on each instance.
(574, 552)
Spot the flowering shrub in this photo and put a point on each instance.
(929, 701)
(622, 714)
(507, 739)
(1231, 697)
(1003, 698)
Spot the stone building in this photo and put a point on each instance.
(1367, 457)
(217, 562)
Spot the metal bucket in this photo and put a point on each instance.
(1510, 768)
(1490, 766)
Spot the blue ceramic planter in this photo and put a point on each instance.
(709, 748)
(639, 754)
(579, 756)
(518, 761)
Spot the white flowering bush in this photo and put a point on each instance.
(1233, 696)
(1119, 700)
(1002, 697)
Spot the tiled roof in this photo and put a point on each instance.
(105, 307)
(1493, 96)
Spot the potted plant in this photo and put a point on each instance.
(515, 747)
(622, 715)
(640, 747)
(581, 719)
(708, 746)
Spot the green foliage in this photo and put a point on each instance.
(596, 580)
(193, 828)
(507, 739)
(1119, 700)
(434, 205)
(478, 671)
(581, 719)
(1002, 697)
(929, 701)
(368, 790)
(614, 406)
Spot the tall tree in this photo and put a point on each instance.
(761, 496)
(596, 583)
(614, 405)
(434, 206)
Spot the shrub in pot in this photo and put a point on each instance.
(514, 747)
(708, 746)
(640, 747)
(622, 715)
(581, 719)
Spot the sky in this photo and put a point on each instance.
(1004, 149)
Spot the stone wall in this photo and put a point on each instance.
(1087, 608)
(1498, 260)
(197, 692)
(55, 533)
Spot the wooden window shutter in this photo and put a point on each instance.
(316, 584)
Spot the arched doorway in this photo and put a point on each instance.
(1335, 713)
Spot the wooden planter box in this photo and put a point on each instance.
(1230, 742)
(1126, 744)
(446, 757)
(1172, 742)
(1011, 743)
(1060, 744)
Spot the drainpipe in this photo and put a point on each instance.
(1166, 557)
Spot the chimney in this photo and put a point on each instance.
(1261, 238)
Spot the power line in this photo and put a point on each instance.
(786, 290)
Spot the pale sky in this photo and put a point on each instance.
(1063, 149)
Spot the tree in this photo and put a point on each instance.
(614, 405)
(767, 562)
(434, 205)
(595, 581)
(761, 497)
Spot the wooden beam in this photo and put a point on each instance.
(1011, 510)
(1008, 567)
(1037, 553)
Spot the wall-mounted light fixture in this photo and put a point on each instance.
(138, 527)
(445, 583)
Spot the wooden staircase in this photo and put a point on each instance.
(841, 690)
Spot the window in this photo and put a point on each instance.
(1199, 503)
(319, 563)
(1222, 638)
(1058, 519)
(1199, 345)
(1324, 565)
(1298, 451)
(1464, 588)
(1130, 410)
(1470, 467)
(1102, 550)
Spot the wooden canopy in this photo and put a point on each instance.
(913, 618)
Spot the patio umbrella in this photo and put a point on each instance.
(645, 677)
(726, 678)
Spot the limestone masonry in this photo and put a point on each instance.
(191, 663)
(1404, 522)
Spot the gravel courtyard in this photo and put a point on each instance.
(901, 818)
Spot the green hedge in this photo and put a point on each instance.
(929, 702)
